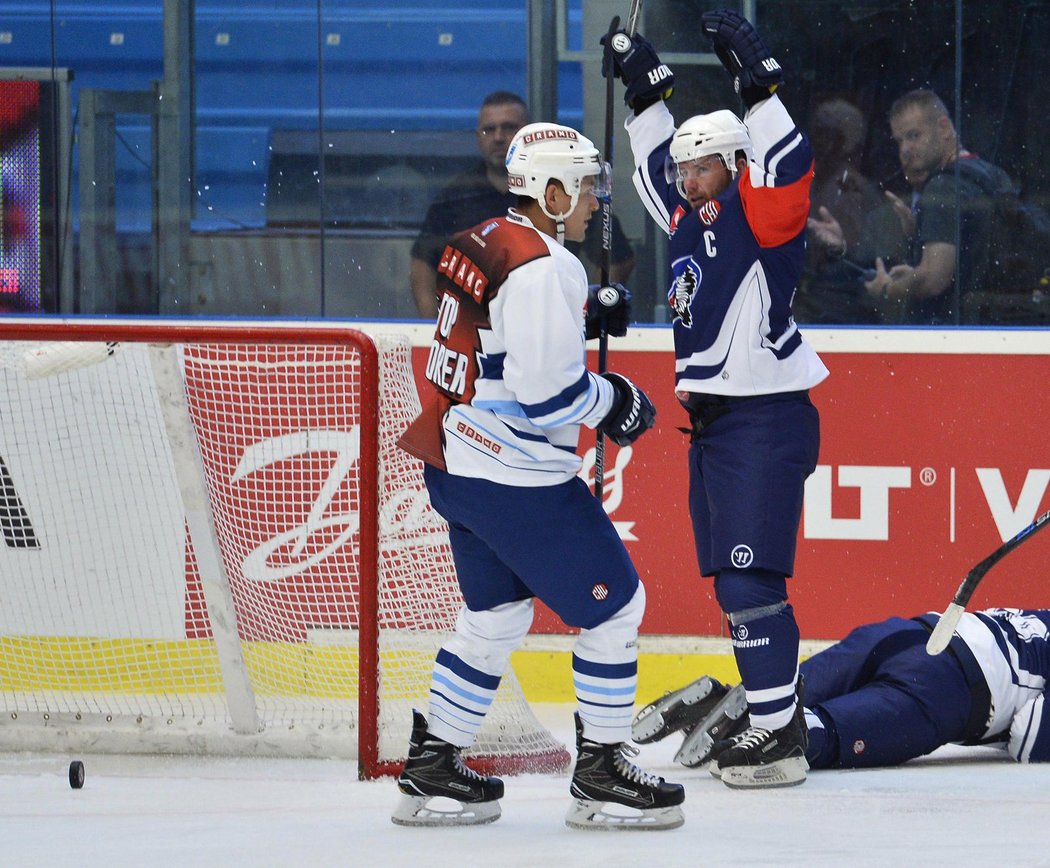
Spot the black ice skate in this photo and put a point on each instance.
(604, 775)
(727, 718)
(434, 769)
(759, 757)
(682, 709)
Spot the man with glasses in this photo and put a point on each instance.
(481, 192)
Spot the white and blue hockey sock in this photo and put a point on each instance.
(469, 667)
(605, 673)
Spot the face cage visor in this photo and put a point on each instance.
(603, 181)
(675, 174)
(573, 184)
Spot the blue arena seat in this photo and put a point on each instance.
(266, 66)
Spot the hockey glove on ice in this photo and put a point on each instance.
(755, 72)
(610, 305)
(633, 60)
(632, 412)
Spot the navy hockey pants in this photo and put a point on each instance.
(554, 542)
(747, 474)
(883, 699)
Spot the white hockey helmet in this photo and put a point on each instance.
(542, 151)
(720, 132)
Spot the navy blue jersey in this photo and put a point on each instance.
(736, 261)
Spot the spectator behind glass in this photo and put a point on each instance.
(481, 192)
(888, 231)
(830, 290)
(928, 147)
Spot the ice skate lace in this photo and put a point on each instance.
(630, 771)
(751, 738)
(466, 770)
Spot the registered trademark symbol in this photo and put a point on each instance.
(927, 476)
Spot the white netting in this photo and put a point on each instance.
(419, 597)
(111, 631)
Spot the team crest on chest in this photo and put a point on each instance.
(682, 291)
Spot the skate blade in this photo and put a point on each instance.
(788, 772)
(696, 749)
(589, 815)
(415, 811)
(697, 746)
(650, 724)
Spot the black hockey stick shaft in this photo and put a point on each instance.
(606, 256)
(942, 633)
(632, 17)
(605, 263)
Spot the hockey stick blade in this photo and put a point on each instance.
(46, 360)
(942, 633)
(945, 629)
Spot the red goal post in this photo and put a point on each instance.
(213, 545)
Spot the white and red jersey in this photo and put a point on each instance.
(508, 359)
(736, 261)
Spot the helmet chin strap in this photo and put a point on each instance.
(559, 219)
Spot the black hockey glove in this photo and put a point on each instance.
(608, 305)
(632, 412)
(755, 72)
(633, 60)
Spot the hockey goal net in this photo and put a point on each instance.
(212, 544)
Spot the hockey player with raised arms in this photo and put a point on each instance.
(733, 197)
(499, 450)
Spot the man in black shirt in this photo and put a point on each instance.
(959, 187)
(481, 192)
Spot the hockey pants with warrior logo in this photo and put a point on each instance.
(747, 475)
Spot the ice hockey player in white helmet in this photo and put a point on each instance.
(732, 195)
(541, 152)
(721, 133)
(499, 445)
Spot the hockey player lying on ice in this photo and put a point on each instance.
(877, 698)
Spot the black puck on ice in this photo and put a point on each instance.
(76, 774)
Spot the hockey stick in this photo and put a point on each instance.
(606, 209)
(942, 633)
(46, 360)
(605, 260)
(632, 17)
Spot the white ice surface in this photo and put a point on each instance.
(961, 806)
